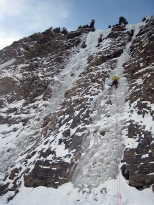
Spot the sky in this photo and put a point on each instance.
(21, 18)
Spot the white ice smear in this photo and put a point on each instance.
(99, 162)
(10, 62)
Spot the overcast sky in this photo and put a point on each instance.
(21, 18)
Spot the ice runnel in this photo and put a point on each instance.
(103, 147)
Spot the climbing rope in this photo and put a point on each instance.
(118, 155)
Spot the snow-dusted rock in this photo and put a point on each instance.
(62, 122)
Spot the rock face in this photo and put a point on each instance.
(49, 84)
(28, 88)
(138, 167)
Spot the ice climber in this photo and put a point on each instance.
(115, 81)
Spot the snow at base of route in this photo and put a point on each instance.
(105, 194)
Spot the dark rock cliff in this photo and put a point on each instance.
(139, 167)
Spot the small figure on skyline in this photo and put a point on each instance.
(99, 40)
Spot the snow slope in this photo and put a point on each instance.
(97, 179)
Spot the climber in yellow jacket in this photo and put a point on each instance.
(115, 81)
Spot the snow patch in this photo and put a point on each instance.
(10, 62)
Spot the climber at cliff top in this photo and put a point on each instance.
(115, 81)
(99, 40)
